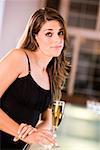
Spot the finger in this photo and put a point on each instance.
(23, 131)
(42, 140)
(21, 127)
(33, 130)
(47, 132)
(15, 139)
(28, 131)
(49, 138)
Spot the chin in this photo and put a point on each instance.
(56, 55)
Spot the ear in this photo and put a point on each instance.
(36, 37)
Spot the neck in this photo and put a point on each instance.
(41, 61)
(41, 68)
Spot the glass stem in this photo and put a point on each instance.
(54, 131)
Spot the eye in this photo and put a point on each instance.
(48, 34)
(61, 33)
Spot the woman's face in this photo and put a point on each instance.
(50, 38)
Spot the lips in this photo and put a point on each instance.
(58, 46)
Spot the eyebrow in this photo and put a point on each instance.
(52, 29)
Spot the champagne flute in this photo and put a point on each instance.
(57, 114)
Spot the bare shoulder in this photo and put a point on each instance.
(14, 55)
(15, 58)
(11, 66)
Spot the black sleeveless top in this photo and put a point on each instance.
(23, 101)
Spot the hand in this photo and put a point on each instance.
(23, 131)
(29, 135)
(41, 137)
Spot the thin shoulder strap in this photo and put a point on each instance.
(29, 66)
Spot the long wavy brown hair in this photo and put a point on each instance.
(58, 68)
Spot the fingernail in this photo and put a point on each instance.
(56, 144)
(19, 136)
(55, 135)
(23, 136)
(15, 139)
(29, 133)
(52, 144)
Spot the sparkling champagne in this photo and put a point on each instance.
(57, 112)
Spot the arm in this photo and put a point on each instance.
(45, 124)
(11, 66)
(43, 134)
(46, 120)
(7, 124)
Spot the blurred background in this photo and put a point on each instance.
(82, 89)
(83, 23)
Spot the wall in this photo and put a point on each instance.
(14, 18)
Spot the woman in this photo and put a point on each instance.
(31, 76)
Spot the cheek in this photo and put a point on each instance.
(62, 38)
(62, 41)
(41, 40)
(44, 43)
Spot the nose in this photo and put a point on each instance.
(57, 38)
